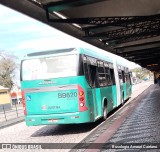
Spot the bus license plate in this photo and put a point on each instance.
(52, 120)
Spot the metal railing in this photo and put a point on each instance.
(14, 112)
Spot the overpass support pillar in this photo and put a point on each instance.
(155, 78)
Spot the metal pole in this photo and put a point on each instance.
(155, 78)
(4, 112)
(16, 109)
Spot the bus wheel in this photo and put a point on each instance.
(105, 112)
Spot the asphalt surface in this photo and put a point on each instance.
(20, 133)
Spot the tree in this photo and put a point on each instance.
(141, 73)
(7, 69)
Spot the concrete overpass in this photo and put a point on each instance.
(130, 29)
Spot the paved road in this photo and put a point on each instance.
(20, 133)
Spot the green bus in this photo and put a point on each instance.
(72, 86)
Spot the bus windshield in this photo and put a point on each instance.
(50, 67)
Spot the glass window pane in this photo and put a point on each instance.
(49, 67)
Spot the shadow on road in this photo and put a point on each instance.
(52, 130)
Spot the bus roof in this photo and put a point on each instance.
(89, 52)
(96, 53)
(49, 52)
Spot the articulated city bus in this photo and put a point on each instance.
(72, 86)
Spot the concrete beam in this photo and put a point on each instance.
(139, 48)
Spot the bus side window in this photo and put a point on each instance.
(127, 77)
(108, 74)
(130, 77)
(120, 76)
(86, 69)
(112, 76)
(90, 71)
(93, 75)
(101, 74)
(123, 77)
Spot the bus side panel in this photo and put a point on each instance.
(125, 88)
(114, 95)
(106, 92)
(129, 89)
(98, 102)
(118, 89)
(91, 105)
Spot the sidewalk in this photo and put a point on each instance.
(113, 136)
(98, 138)
(141, 127)
(11, 117)
(11, 122)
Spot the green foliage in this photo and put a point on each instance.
(141, 73)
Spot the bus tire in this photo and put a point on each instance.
(105, 112)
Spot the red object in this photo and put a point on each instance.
(24, 102)
(81, 99)
(19, 94)
(16, 94)
(13, 95)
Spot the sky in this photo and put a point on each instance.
(20, 35)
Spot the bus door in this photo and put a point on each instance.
(93, 84)
(124, 85)
(121, 84)
(130, 83)
(114, 91)
(90, 74)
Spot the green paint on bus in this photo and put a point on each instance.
(71, 86)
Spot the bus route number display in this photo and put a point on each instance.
(70, 95)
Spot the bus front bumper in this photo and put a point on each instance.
(67, 118)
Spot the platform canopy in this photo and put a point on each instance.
(129, 28)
